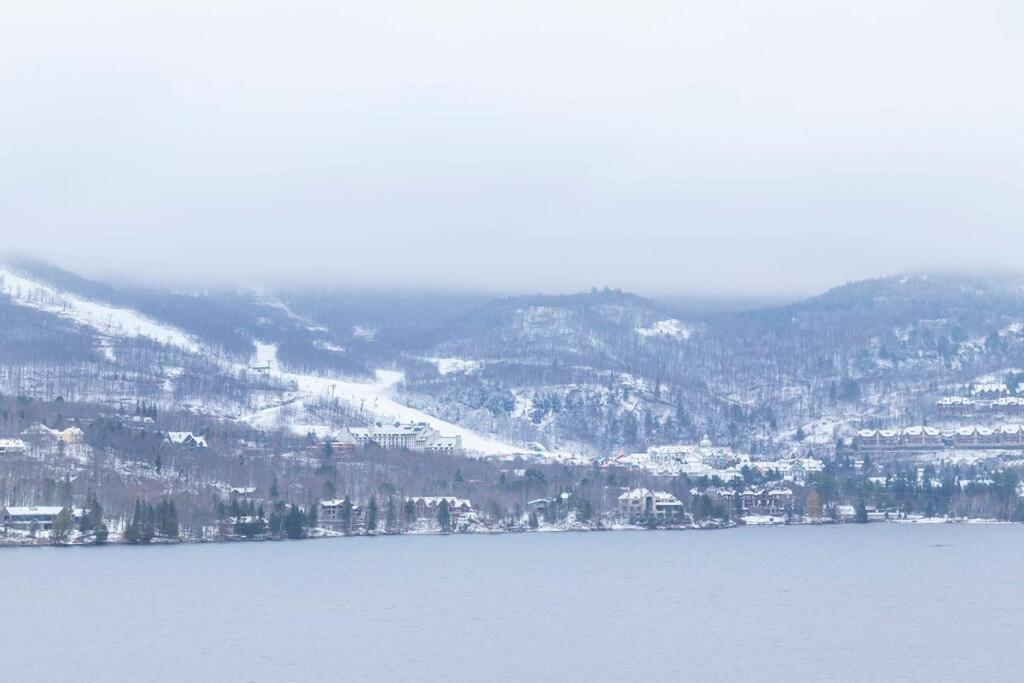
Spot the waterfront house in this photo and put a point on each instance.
(643, 504)
(29, 517)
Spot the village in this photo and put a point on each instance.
(903, 474)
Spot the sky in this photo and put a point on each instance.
(711, 148)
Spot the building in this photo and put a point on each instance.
(427, 506)
(27, 518)
(645, 504)
(40, 433)
(12, 446)
(185, 440)
(989, 391)
(331, 513)
(411, 436)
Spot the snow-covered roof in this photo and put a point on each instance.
(30, 510)
(12, 444)
(179, 438)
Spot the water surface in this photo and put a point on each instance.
(899, 602)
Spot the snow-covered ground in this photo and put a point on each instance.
(374, 398)
(447, 366)
(666, 328)
(106, 319)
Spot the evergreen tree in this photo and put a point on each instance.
(294, 523)
(346, 515)
(131, 531)
(390, 515)
(444, 517)
(62, 526)
(311, 516)
(860, 513)
(371, 514)
(409, 512)
(533, 520)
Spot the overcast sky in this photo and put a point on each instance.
(717, 147)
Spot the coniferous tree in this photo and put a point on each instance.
(346, 515)
(371, 514)
(294, 523)
(444, 517)
(62, 526)
(390, 515)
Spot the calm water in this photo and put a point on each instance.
(838, 603)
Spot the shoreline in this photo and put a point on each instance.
(328, 534)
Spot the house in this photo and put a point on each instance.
(956, 406)
(991, 390)
(1008, 406)
(29, 517)
(41, 433)
(921, 437)
(877, 439)
(12, 446)
(331, 513)
(411, 436)
(185, 440)
(427, 506)
(644, 504)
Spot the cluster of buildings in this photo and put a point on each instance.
(964, 406)
(410, 436)
(707, 460)
(332, 512)
(701, 460)
(1010, 436)
(767, 500)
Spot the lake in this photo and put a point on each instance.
(899, 602)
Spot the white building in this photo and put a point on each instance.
(411, 436)
(12, 446)
(40, 517)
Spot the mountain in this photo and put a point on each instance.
(594, 372)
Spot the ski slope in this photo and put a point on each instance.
(375, 398)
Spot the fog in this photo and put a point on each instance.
(727, 148)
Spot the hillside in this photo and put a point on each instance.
(594, 372)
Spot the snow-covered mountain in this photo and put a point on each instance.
(593, 372)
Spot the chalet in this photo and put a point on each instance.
(12, 446)
(1008, 406)
(1011, 436)
(989, 391)
(956, 406)
(427, 506)
(27, 518)
(877, 439)
(185, 440)
(921, 437)
(973, 437)
(644, 503)
(331, 513)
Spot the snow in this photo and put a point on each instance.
(666, 328)
(375, 398)
(106, 319)
(447, 366)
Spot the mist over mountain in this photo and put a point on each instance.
(593, 372)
